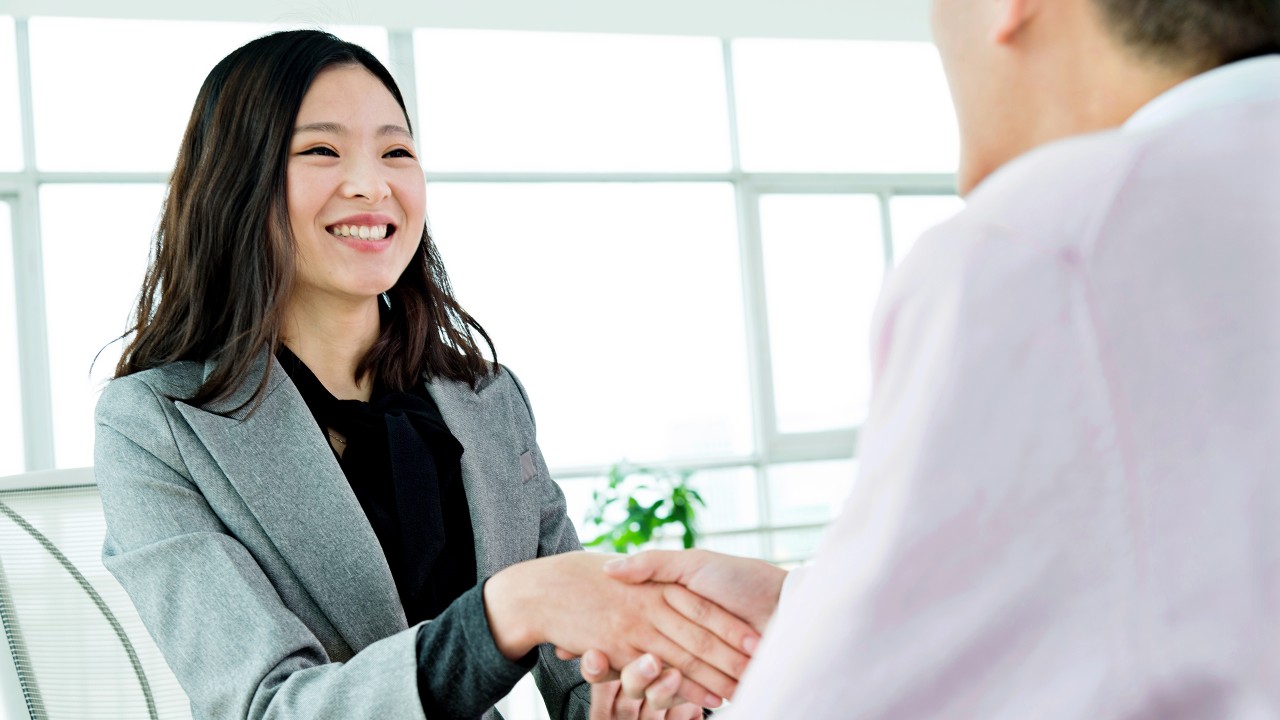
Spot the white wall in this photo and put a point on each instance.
(850, 19)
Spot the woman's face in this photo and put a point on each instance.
(355, 189)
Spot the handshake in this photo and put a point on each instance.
(654, 630)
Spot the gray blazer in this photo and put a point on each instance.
(254, 568)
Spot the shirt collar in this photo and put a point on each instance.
(1244, 81)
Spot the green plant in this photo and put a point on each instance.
(652, 498)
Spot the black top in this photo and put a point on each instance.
(404, 467)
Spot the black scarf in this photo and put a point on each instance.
(405, 469)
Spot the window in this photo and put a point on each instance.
(548, 102)
(628, 335)
(121, 103)
(96, 240)
(838, 106)
(823, 260)
(11, 435)
(10, 108)
(679, 257)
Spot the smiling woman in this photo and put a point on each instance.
(319, 494)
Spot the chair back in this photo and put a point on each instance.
(77, 648)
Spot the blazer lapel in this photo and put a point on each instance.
(504, 514)
(287, 476)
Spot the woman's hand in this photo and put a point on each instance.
(568, 600)
(608, 703)
(642, 680)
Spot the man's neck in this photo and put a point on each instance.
(1099, 95)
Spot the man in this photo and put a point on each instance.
(1069, 500)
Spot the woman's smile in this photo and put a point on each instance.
(365, 232)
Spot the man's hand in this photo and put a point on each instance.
(567, 600)
(744, 587)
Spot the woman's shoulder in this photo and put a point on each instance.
(133, 391)
(498, 388)
(504, 381)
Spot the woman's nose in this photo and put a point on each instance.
(365, 179)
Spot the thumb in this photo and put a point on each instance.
(669, 566)
(595, 667)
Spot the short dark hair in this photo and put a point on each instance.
(1201, 34)
(222, 265)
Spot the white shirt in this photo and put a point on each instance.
(1245, 81)
(1069, 496)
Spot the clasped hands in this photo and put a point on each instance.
(654, 631)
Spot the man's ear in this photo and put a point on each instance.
(1011, 17)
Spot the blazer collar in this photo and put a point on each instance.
(504, 514)
(288, 478)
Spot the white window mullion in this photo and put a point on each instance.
(28, 270)
(886, 226)
(400, 48)
(751, 259)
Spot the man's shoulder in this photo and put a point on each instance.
(1066, 191)
(1058, 192)
(1038, 210)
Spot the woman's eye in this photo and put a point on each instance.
(321, 151)
(399, 153)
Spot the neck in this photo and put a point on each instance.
(1099, 95)
(331, 336)
(1053, 94)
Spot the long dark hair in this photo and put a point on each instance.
(222, 264)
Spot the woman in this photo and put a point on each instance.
(305, 456)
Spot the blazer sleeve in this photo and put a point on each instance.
(234, 646)
(566, 694)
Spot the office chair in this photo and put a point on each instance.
(77, 646)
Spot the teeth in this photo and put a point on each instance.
(363, 232)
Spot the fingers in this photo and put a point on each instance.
(565, 654)
(638, 675)
(626, 708)
(734, 631)
(595, 667)
(603, 697)
(664, 692)
(641, 679)
(684, 712)
(703, 684)
(706, 658)
(650, 711)
(671, 566)
(608, 704)
(643, 687)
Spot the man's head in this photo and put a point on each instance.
(1027, 72)
(1194, 34)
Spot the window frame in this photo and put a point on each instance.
(771, 446)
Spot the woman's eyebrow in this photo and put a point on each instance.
(395, 130)
(339, 129)
(323, 127)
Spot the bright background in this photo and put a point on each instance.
(675, 225)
